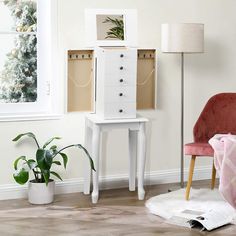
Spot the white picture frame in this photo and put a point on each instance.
(93, 38)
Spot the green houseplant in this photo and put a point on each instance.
(41, 167)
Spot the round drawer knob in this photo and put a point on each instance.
(120, 94)
(121, 80)
(121, 68)
(120, 110)
(121, 55)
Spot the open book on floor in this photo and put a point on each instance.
(210, 220)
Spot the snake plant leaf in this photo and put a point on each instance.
(49, 158)
(17, 160)
(49, 141)
(88, 155)
(46, 175)
(29, 134)
(55, 174)
(31, 163)
(57, 163)
(65, 159)
(53, 147)
(44, 159)
(21, 176)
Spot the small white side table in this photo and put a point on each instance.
(137, 138)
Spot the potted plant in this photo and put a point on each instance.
(41, 188)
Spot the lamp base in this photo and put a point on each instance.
(175, 187)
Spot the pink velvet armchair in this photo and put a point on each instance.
(217, 117)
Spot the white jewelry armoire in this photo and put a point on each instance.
(112, 78)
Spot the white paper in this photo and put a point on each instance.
(213, 219)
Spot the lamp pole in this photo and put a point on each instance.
(182, 123)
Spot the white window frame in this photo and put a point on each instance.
(46, 106)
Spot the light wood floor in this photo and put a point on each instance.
(117, 213)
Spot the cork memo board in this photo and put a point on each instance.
(80, 87)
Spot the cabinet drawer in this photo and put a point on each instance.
(120, 80)
(120, 69)
(120, 110)
(120, 94)
(120, 56)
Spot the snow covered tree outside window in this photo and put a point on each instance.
(18, 65)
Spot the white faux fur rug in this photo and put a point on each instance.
(176, 210)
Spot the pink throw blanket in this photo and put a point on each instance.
(225, 163)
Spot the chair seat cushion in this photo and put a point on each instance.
(198, 149)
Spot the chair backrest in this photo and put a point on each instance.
(217, 117)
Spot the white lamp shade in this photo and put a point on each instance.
(183, 38)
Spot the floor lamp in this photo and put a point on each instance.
(182, 38)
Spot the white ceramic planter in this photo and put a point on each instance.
(39, 193)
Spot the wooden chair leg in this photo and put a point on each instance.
(190, 177)
(213, 176)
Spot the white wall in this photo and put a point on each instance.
(205, 74)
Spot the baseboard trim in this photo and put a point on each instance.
(14, 191)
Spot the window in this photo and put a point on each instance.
(26, 66)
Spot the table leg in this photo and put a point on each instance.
(141, 160)
(87, 168)
(132, 158)
(95, 156)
